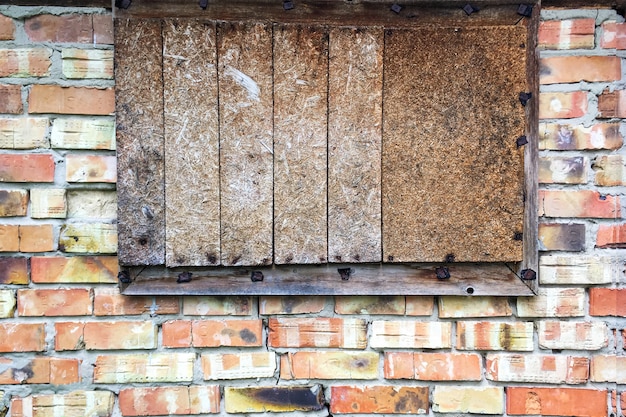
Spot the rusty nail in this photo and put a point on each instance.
(396, 8)
(469, 9)
(288, 5)
(442, 272)
(525, 10)
(203, 4)
(524, 97)
(521, 141)
(257, 276)
(528, 275)
(123, 4)
(184, 277)
(345, 273)
(124, 277)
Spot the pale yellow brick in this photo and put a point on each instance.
(410, 334)
(481, 400)
(87, 63)
(48, 203)
(91, 204)
(97, 133)
(141, 367)
(458, 307)
(91, 168)
(553, 302)
(608, 368)
(574, 335)
(238, 365)
(24, 133)
(7, 303)
(579, 269)
(77, 403)
(88, 238)
(546, 369)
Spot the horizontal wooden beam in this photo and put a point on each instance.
(106, 4)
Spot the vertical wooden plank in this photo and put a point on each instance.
(300, 143)
(191, 143)
(140, 167)
(355, 78)
(245, 106)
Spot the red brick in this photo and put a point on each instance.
(7, 28)
(9, 238)
(608, 368)
(103, 29)
(77, 269)
(613, 35)
(578, 203)
(562, 105)
(572, 69)
(13, 203)
(36, 238)
(239, 365)
(120, 335)
(563, 170)
(170, 400)
(329, 365)
(71, 100)
(378, 400)
(109, 302)
(567, 34)
(22, 337)
(410, 334)
(13, 270)
(468, 400)
(25, 62)
(54, 302)
(11, 99)
(217, 306)
(486, 335)
(575, 402)
(567, 137)
(26, 168)
(433, 366)
(611, 236)
(74, 28)
(607, 302)
(392, 305)
(91, 168)
(291, 305)
(574, 335)
(456, 307)
(610, 170)
(215, 333)
(553, 302)
(57, 371)
(612, 104)
(562, 237)
(318, 332)
(550, 369)
(273, 399)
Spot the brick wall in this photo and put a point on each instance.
(72, 345)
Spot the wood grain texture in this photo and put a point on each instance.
(354, 144)
(453, 179)
(140, 149)
(245, 114)
(191, 143)
(300, 144)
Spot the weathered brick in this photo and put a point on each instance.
(83, 133)
(176, 400)
(7, 303)
(24, 133)
(9, 238)
(74, 28)
(578, 203)
(550, 369)
(88, 238)
(378, 400)
(91, 204)
(176, 334)
(78, 269)
(214, 333)
(109, 335)
(217, 306)
(576, 402)
(291, 305)
(565, 137)
(563, 170)
(25, 62)
(238, 365)
(572, 69)
(553, 302)
(91, 168)
(22, 337)
(70, 100)
(144, 367)
(273, 399)
(48, 203)
(13, 203)
(486, 335)
(610, 170)
(69, 336)
(479, 400)
(329, 365)
(7, 28)
(12, 270)
(562, 236)
(607, 302)
(419, 305)
(318, 332)
(456, 307)
(433, 366)
(611, 236)
(87, 63)
(613, 35)
(26, 168)
(109, 302)
(36, 238)
(554, 105)
(54, 302)
(612, 104)
(579, 269)
(410, 334)
(11, 99)
(573, 335)
(40, 370)
(567, 34)
(370, 305)
(76, 403)
(103, 29)
(608, 368)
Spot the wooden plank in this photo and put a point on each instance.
(300, 144)
(191, 143)
(140, 149)
(453, 178)
(245, 114)
(354, 144)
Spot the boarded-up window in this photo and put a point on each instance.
(253, 144)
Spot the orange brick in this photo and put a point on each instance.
(607, 302)
(142, 368)
(578, 203)
(22, 337)
(563, 170)
(109, 302)
(7, 28)
(176, 334)
(562, 236)
(215, 333)
(91, 168)
(562, 105)
(71, 100)
(54, 302)
(567, 137)
(122, 335)
(610, 170)
(9, 238)
(550, 369)
(433, 366)
(393, 305)
(329, 365)
(217, 306)
(575, 335)
(318, 332)
(25, 62)
(238, 365)
(273, 399)
(468, 400)
(58, 371)
(572, 69)
(378, 400)
(410, 334)
(26, 168)
(10, 99)
(36, 238)
(103, 29)
(613, 35)
(75, 28)
(13, 203)
(69, 336)
(576, 402)
(486, 335)
(611, 236)
(170, 400)
(13, 270)
(553, 302)
(608, 368)
(77, 269)
(457, 307)
(567, 34)
(291, 305)
(612, 104)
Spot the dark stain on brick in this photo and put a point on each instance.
(302, 398)
(22, 375)
(247, 336)
(11, 269)
(410, 402)
(505, 336)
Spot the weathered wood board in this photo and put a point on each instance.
(300, 144)
(140, 150)
(355, 79)
(191, 143)
(452, 174)
(246, 150)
